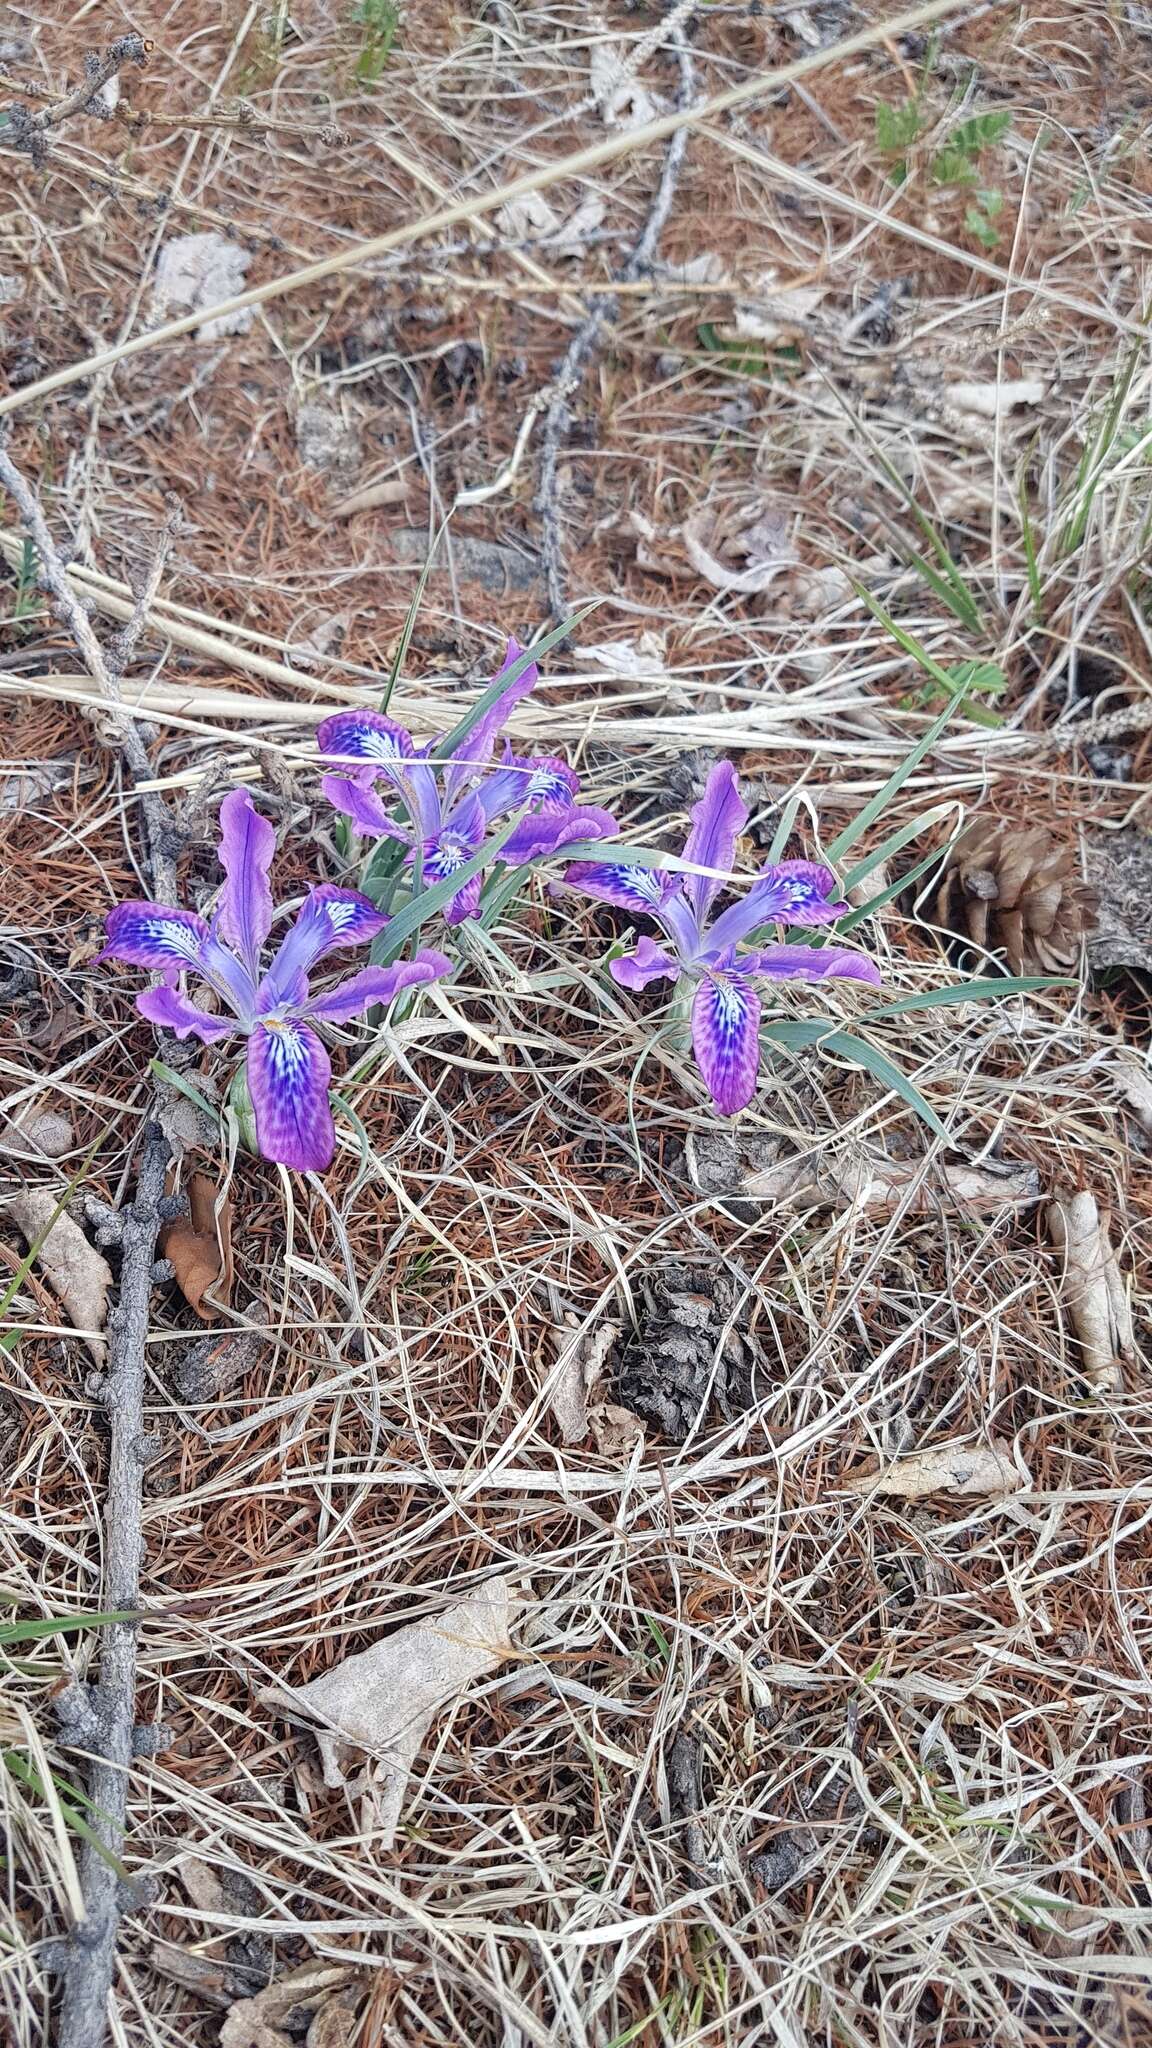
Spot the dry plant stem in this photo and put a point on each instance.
(587, 337)
(101, 1719)
(28, 131)
(126, 734)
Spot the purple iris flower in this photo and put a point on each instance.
(451, 803)
(288, 1068)
(725, 1005)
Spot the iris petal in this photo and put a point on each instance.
(648, 963)
(288, 1077)
(172, 1011)
(717, 822)
(377, 985)
(247, 844)
(726, 1040)
(630, 888)
(792, 892)
(329, 918)
(809, 963)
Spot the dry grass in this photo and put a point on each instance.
(932, 1717)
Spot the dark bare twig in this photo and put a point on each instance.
(589, 335)
(29, 132)
(126, 734)
(100, 1719)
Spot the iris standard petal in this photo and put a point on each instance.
(717, 822)
(247, 844)
(288, 1076)
(363, 807)
(174, 1012)
(465, 902)
(726, 1040)
(377, 985)
(808, 963)
(475, 749)
(329, 918)
(648, 963)
(791, 892)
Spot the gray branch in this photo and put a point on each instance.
(101, 1719)
(589, 335)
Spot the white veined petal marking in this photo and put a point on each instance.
(640, 881)
(287, 1052)
(177, 937)
(380, 746)
(548, 782)
(729, 1005)
(446, 856)
(341, 915)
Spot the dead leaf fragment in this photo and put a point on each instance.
(257, 2022)
(579, 1369)
(1094, 1291)
(384, 1700)
(621, 101)
(77, 1273)
(199, 1246)
(986, 1469)
(33, 1132)
(195, 271)
(1134, 1080)
(861, 1179)
(991, 400)
(739, 547)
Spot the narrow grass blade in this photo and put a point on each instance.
(990, 989)
(799, 1034)
(499, 684)
(876, 805)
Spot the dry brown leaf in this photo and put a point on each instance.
(859, 1179)
(33, 1132)
(1134, 1080)
(615, 1431)
(255, 2022)
(384, 1700)
(199, 1246)
(77, 1273)
(740, 547)
(335, 2024)
(1094, 1291)
(579, 1369)
(987, 1469)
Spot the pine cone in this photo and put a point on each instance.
(1018, 891)
(687, 1351)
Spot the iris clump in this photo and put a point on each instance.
(461, 811)
(725, 1003)
(287, 1065)
(450, 803)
